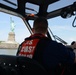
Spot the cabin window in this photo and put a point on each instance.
(10, 3)
(33, 8)
(12, 32)
(31, 23)
(59, 4)
(63, 29)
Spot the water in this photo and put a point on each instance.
(8, 51)
(13, 51)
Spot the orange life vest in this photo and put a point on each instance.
(28, 46)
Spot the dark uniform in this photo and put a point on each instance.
(47, 52)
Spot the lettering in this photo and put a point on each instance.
(22, 49)
(29, 42)
(29, 56)
(28, 49)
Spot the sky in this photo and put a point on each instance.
(59, 26)
(5, 27)
(63, 28)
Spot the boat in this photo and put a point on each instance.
(29, 10)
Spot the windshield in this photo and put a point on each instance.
(62, 28)
(12, 32)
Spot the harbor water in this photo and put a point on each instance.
(13, 51)
(8, 51)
